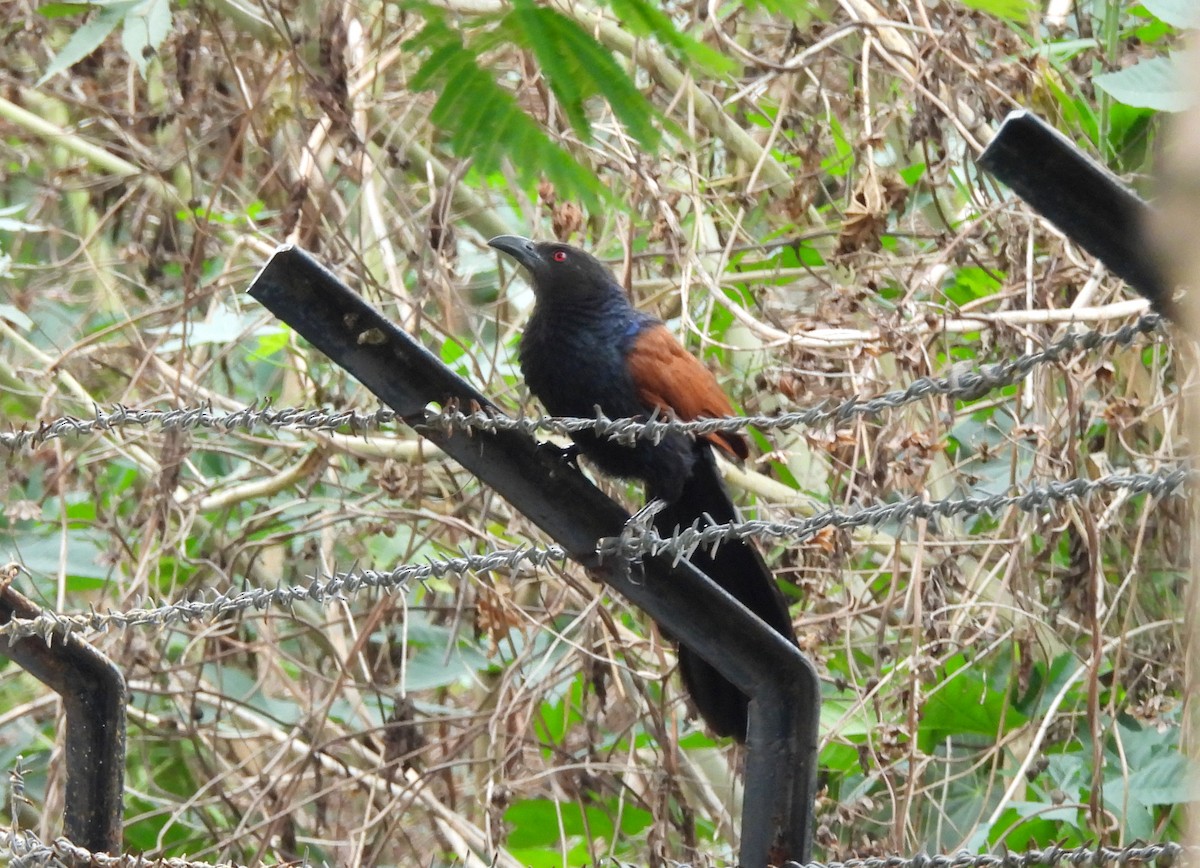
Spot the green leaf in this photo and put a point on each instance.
(62, 10)
(1045, 683)
(145, 29)
(541, 823)
(645, 19)
(430, 669)
(555, 719)
(1166, 780)
(532, 823)
(969, 284)
(442, 61)
(217, 329)
(88, 37)
(539, 28)
(1157, 83)
(1178, 13)
(1008, 10)
(626, 101)
(841, 160)
(77, 552)
(484, 122)
(577, 67)
(964, 705)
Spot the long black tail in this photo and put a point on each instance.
(739, 569)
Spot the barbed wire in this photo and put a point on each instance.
(336, 586)
(965, 385)
(202, 417)
(1165, 855)
(28, 850)
(637, 541)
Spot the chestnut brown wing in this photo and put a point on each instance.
(670, 378)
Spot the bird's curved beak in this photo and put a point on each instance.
(521, 249)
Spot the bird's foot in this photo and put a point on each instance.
(635, 542)
(639, 527)
(568, 454)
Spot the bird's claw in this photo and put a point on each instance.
(640, 524)
(568, 454)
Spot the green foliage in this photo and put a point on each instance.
(438, 657)
(965, 701)
(644, 18)
(144, 24)
(550, 833)
(483, 120)
(1177, 13)
(840, 159)
(971, 284)
(965, 704)
(1152, 83)
(42, 553)
(1157, 83)
(912, 174)
(166, 770)
(576, 67)
(1018, 11)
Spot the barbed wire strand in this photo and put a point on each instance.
(1163, 855)
(637, 541)
(965, 385)
(28, 850)
(335, 586)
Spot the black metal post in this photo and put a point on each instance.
(94, 696)
(1086, 201)
(782, 684)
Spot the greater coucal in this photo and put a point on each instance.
(585, 346)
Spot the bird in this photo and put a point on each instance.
(585, 346)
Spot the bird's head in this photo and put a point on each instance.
(559, 271)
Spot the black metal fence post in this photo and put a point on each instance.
(93, 694)
(784, 709)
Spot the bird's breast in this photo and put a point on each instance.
(573, 365)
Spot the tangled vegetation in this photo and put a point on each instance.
(793, 187)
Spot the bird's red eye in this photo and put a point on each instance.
(560, 256)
